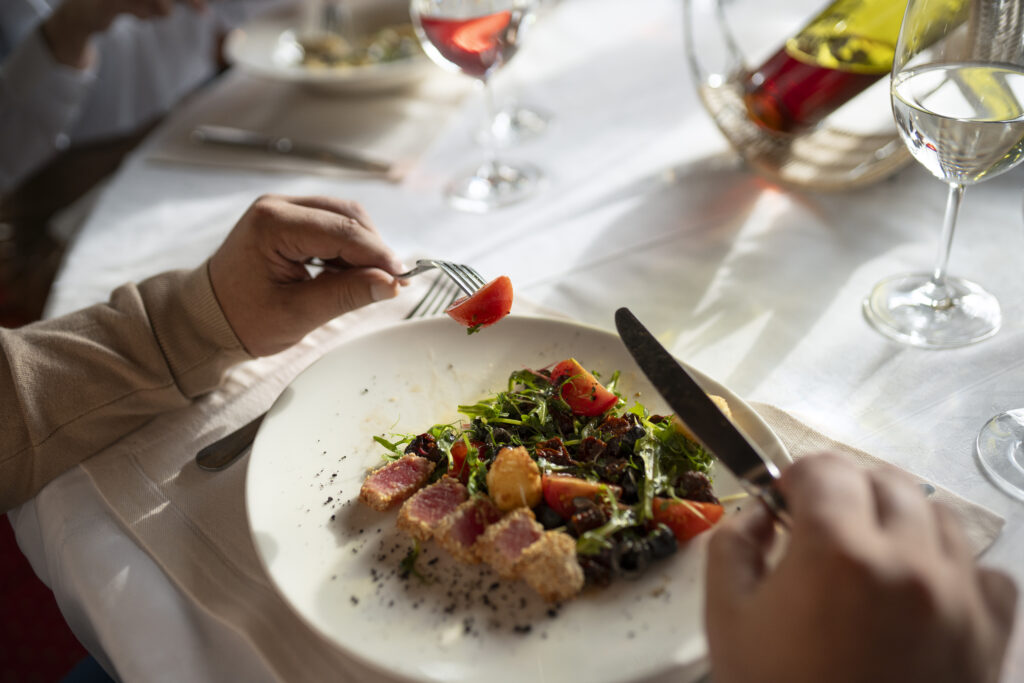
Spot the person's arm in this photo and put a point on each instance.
(46, 79)
(876, 583)
(40, 100)
(73, 385)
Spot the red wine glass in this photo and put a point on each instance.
(477, 37)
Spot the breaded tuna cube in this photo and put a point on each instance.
(503, 542)
(389, 485)
(549, 566)
(421, 514)
(458, 532)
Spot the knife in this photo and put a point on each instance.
(716, 432)
(239, 137)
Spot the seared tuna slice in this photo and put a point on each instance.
(502, 543)
(550, 567)
(394, 482)
(421, 514)
(458, 532)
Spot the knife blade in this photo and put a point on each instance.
(239, 137)
(691, 404)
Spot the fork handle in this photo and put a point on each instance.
(227, 449)
(422, 265)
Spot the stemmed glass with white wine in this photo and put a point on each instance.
(957, 92)
(477, 37)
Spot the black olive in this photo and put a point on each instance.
(631, 556)
(597, 568)
(661, 542)
(630, 488)
(501, 435)
(548, 518)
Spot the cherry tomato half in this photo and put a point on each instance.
(686, 518)
(584, 394)
(488, 305)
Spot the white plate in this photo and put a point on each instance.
(335, 560)
(268, 47)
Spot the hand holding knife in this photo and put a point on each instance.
(755, 472)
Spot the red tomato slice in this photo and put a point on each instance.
(459, 468)
(560, 491)
(584, 394)
(686, 518)
(488, 305)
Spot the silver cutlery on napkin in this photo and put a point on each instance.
(249, 139)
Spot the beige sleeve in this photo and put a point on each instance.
(73, 385)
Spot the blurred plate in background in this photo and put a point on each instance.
(384, 54)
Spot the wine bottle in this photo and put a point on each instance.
(842, 51)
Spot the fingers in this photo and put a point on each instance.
(331, 294)
(901, 507)
(342, 207)
(830, 499)
(304, 228)
(736, 555)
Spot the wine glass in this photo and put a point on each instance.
(514, 123)
(477, 37)
(957, 86)
(1000, 450)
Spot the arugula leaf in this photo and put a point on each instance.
(407, 566)
(620, 517)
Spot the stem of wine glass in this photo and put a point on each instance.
(490, 111)
(940, 293)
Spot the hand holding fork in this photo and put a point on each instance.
(455, 279)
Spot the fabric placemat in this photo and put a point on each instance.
(193, 523)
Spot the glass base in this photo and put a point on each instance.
(1000, 450)
(494, 185)
(513, 125)
(909, 309)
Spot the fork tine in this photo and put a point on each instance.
(428, 298)
(441, 293)
(451, 293)
(472, 276)
(452, 271)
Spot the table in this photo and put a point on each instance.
(646, 206)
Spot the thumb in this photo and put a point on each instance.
(736, 557)
(331, 294)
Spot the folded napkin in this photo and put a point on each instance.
(395, 126)
(194, 524)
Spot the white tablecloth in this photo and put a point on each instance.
(646, 206)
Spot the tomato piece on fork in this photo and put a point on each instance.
(486, 306)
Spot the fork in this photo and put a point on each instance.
(453, 280)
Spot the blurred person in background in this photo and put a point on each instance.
(74, 72)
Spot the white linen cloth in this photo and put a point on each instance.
(646, 206)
